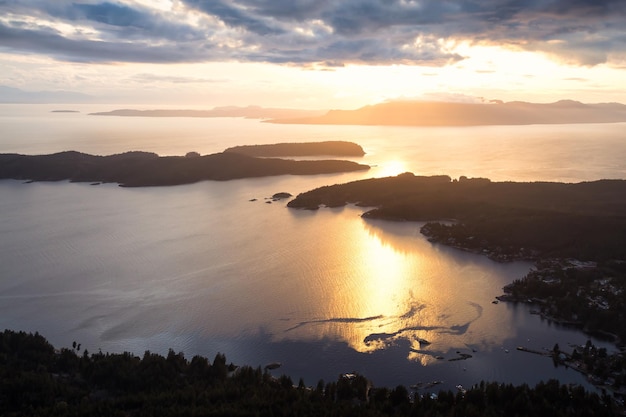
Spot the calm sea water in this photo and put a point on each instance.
(202, 269)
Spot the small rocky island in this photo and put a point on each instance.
(137, 169)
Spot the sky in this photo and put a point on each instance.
(316, 54)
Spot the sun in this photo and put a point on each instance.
(390, 168)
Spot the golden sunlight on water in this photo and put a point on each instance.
(383, 284)
(391, 168)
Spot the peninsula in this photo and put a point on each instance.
(584, 220)
(424, 113)
(136, 169)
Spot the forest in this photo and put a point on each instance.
(330, 147)
(509, 220)
(37, 379)
(140, 169)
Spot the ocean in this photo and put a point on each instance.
(202, 269)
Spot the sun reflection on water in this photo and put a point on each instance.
(378, 300)
(391, 168)
(384, 274)
(385, 285)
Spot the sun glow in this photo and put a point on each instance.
(383, 286)
(383, 295)
(386, 277)
(390, 168)
(392, 287)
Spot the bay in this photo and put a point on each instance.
(202, 269)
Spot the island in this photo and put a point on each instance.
(249, 112)
(495, 112)
(333, 148)
(281, 195)
(136, 169)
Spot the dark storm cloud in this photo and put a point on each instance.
(234, 16)
(313, 31)
(124, 22)
(111, 14)
(117, 22)
(48, 42)
(287, 10)
(586, 8)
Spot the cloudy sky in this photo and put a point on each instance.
(316, 53)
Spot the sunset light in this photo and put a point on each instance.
(391, 168)
(317, 56)
(313, 207)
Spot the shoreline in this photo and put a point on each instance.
(146, 169)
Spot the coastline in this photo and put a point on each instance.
(142, 169)
(574, 284)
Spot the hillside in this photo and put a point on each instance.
(249, 112)
(421, 113)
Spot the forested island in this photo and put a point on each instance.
(136, 169)
(36, 379)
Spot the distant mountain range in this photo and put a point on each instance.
(399, 113)
(421, 113)
(17, 96)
